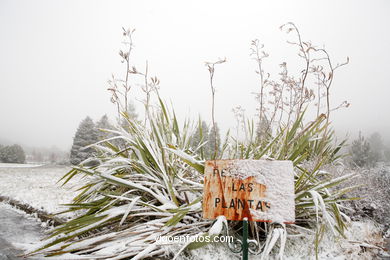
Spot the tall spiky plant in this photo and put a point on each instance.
(152, 184)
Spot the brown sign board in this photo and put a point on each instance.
(260, 190)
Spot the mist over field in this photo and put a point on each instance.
(58, 56)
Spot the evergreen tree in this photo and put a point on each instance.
(201, 135)
(386, 153)
(214, 136)
(103, 123)
(376, 145)
(263, 129)
(131, 114)
(361, 152)
(86, 134)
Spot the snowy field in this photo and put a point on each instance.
(37, 186)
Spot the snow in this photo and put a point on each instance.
(302, 247)
(367, 232)
(18, 230)
(278, 177)
(38, 187)
(184, 155)
(216, 229)
(18, 165)
(273, 237)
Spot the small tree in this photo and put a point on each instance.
(201, 135)
(377, 147)
(386, 153)
(86, 134)
(131, 114)
(1, 152)
(361, 152)
(12, 154)
(213, 137)
(103, 123)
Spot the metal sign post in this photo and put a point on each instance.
(249, 190)
(245, 239)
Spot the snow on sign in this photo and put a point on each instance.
(261, 190)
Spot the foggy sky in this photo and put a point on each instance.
(56, 58)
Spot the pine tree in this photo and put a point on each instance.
(131, 114)
(103, 123)
(377, 147)
(86, 134)
(214, 136)
(263, 129)
(200, 136)
(361, 151)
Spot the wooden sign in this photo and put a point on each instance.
(260, 190)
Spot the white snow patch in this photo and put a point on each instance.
(18, 165)
(216, 229)
(278, 177)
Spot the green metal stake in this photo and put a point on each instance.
(245, 239)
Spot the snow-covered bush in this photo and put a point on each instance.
(12, 154)
(154, 187)
(151, 185)
(373, 188)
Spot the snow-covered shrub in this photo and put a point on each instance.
(373, 188)
(151, 185)
(12, 154)
(154, 187)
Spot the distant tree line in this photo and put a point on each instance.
(12, 154)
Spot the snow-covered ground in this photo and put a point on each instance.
(18, 231)
(18, 165)
(38, 187)
(363, 241)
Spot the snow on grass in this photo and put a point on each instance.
(38, 187)
(358, 236)
(363, 242)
